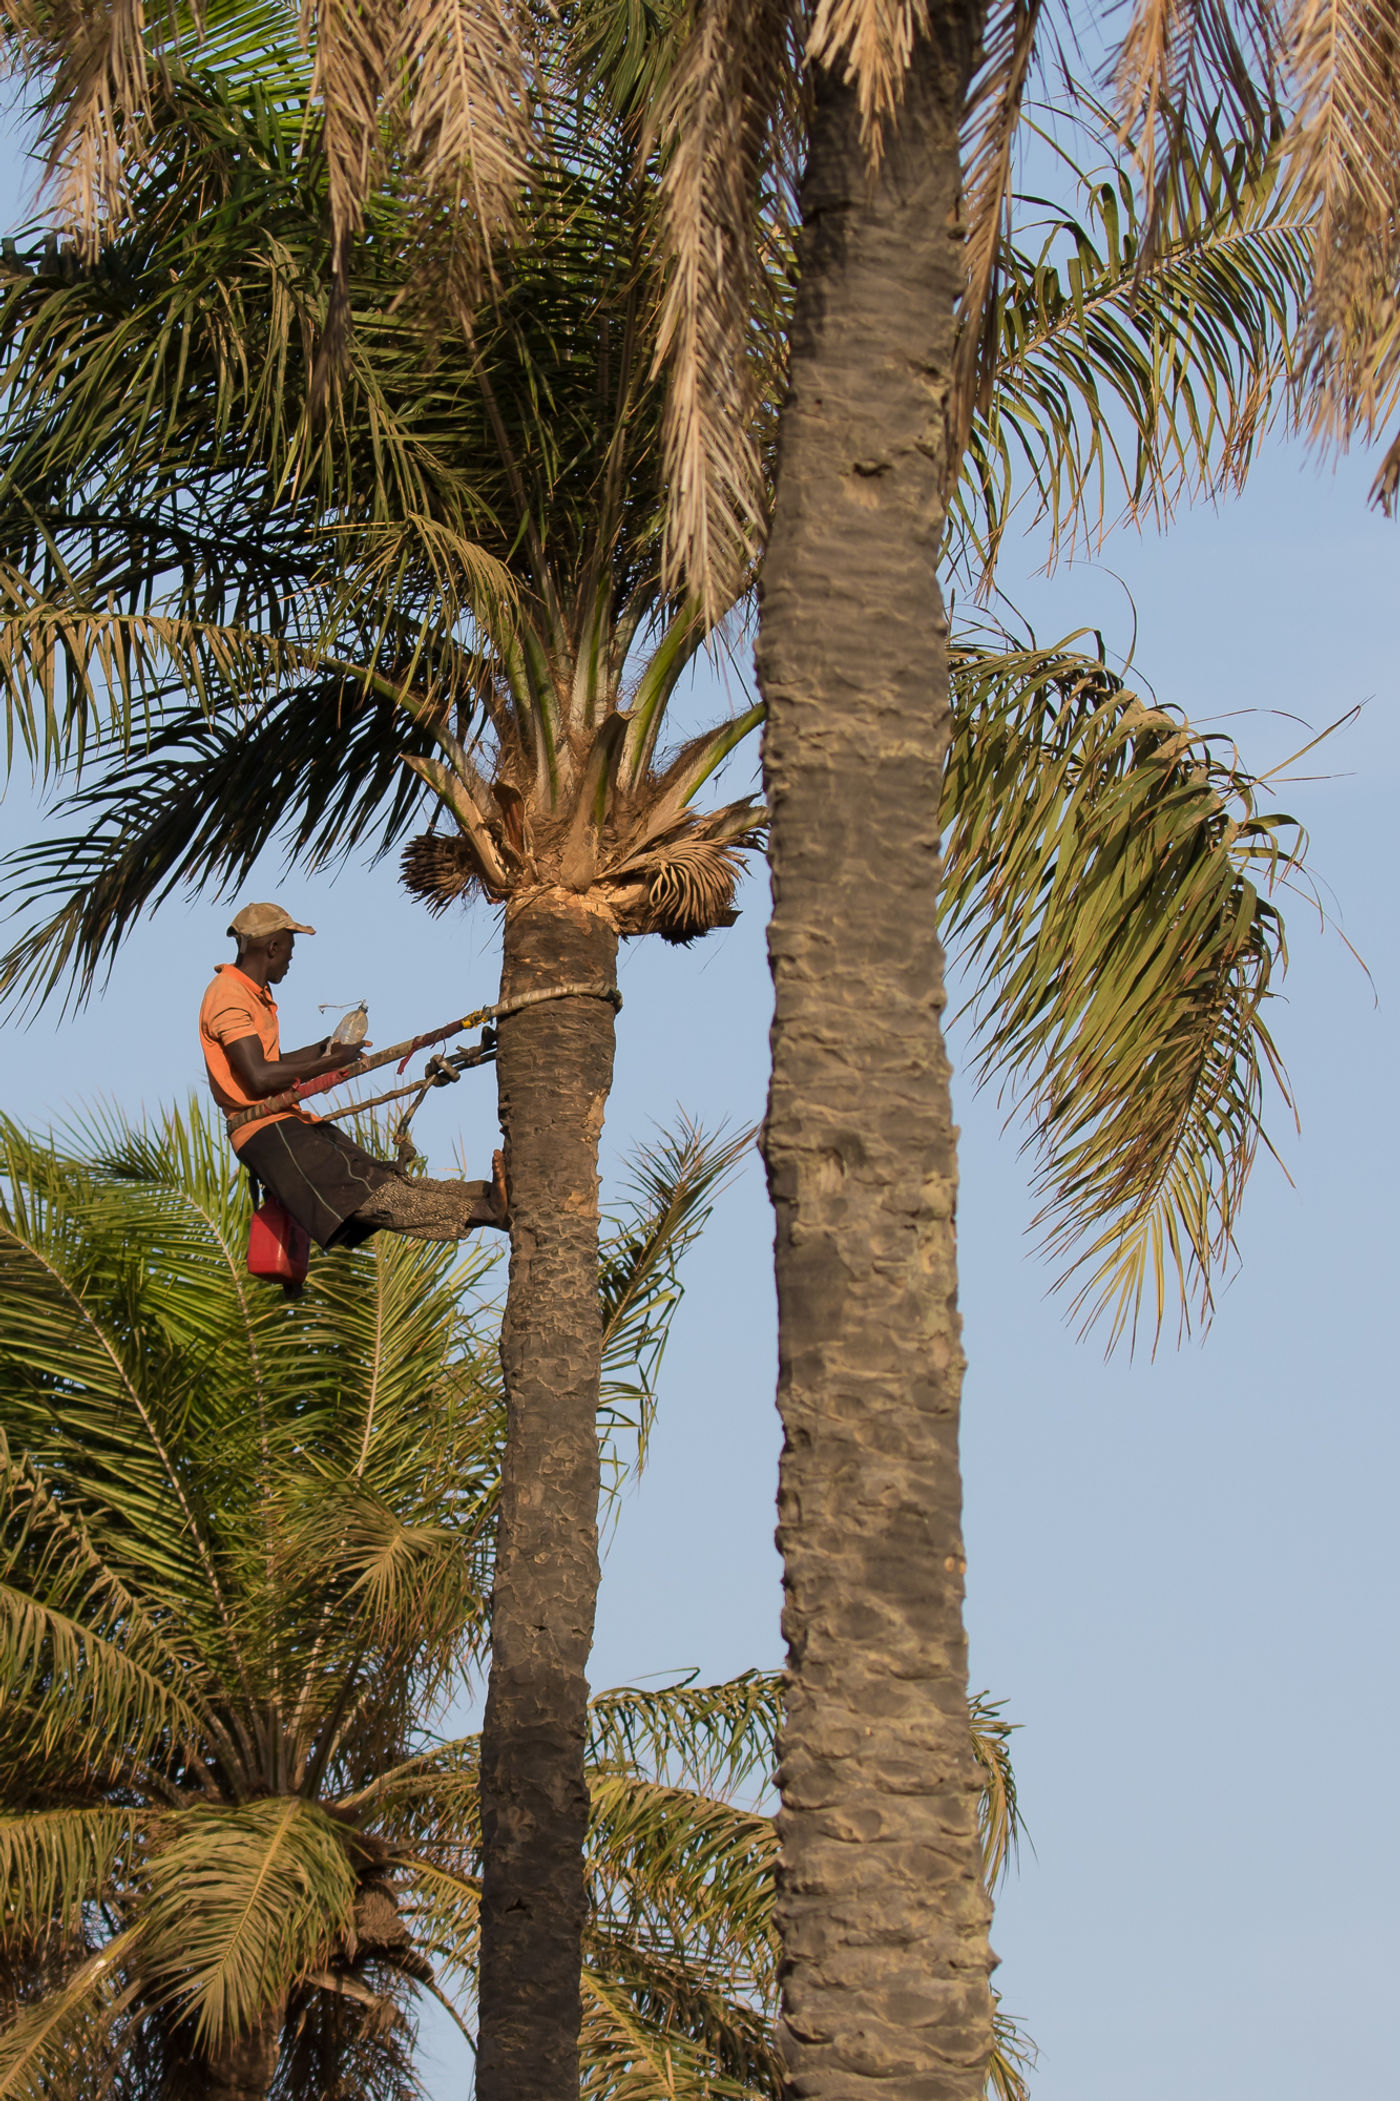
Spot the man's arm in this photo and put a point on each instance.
(259, 1076)
(346, 1053)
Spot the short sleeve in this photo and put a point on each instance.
(230, 1017)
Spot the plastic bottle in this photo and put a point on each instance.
(352, 1028)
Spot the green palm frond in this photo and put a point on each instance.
(428, 1808)
(412, 1583)
(680, 1960)
(674, 1184)
(89, 1675)
(242, 1903)
(107, 1412)
(682, 1954)
(73, 671)
(998, 1816)
(647, 2032)
(686, 1876)
(1108, 871)
(718, 1738)
(374, 1490)
(1124, 383)
(204, 1523)
(53, 1862)
(246, 40)
(65, 2036)
(444, 1906)
(318, 772)
(171, 1182)
(199, 1796)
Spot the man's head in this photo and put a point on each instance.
(266, 934)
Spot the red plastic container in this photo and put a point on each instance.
(278, 1248)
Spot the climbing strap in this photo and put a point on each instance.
(440, 1071)
(292, 1097)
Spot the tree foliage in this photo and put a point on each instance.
(244, 1558)
(276, 607)
(1111, 875)
(241, 619)
(245, 1553)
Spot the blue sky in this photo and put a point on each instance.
(1182, 1571)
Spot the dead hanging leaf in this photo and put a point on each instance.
(873, 42)
(692, 890)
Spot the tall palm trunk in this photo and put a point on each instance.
(554, 1070)
(881, 1908)
(247, 2065)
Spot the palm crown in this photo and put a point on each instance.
(463, 530)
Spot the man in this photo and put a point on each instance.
(333, 1188)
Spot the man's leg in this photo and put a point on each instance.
(426, 1210)
(341, 1194)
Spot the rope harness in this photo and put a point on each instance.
(440, 1071)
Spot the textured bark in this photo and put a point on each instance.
(881, 1907)
(246, 2068)
(554, 1068)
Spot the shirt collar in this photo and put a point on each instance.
(261, 991)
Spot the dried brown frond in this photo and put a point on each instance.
(679, 890)
(440, 867)
(1147, 67)
(1344, 146)
(690, 891)
(447, 78)
(98, 75)
(1184, 60)
(1013, 2055)
(467, 130)
(354, 47)
(717, 130)
(875, 38)
(1387, 482)
(994, 110)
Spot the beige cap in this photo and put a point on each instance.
(255, 922)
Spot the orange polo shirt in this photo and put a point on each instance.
(234, 1007)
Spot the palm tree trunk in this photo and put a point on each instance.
(248, 2063)
(881, 1906)
(554, 1069)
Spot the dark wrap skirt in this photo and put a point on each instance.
(319, 1175)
